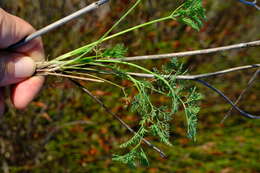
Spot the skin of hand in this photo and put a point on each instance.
(17, 67)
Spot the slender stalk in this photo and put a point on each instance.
(176, 97)
(136, 27)
(205, 75)
(103, 38)
(99, 78)
(85, 49)
(120, 20)
(249, 85)
(82, 49)
(193, 53)
(73, 77)
(242, 112)
(58, 23)
(138, 67)
(117, 117)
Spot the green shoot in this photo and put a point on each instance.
(154, 120)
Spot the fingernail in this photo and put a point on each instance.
(24, 67)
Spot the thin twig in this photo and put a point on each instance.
(249, 85)
(251, 3)
(192, 53)
(58, 23)
(243, 113)
(72, 77)
(205, 75)
(198, 77)
(117, 117)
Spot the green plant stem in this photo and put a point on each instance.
(105, 37)
(120, 20)
(136, 27)
(79, 51)
(147, 71)
(137, 84)
(138, 67)
(99, 78)
(82, 49)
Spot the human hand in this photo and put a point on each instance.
(17, 67)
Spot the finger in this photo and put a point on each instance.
(23, 93)
(15, 68)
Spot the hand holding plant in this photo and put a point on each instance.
(18, 66)
(87, 64)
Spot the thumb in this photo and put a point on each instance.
(15, 68)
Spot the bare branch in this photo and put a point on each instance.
(192, 53)
(117, 117)
(242, 112)
(205, 75)
(197, 78)
(249, 85)
(251, 3)
(58, 23)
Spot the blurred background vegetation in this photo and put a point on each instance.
(63, 130)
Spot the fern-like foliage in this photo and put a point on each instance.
(118, 51)
(131, 157)
(156, 120)
(191, 13)
(192, 111)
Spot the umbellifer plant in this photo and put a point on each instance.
(87, 64)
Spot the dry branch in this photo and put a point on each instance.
(192, 53)
(205, 75)
(249, 85)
